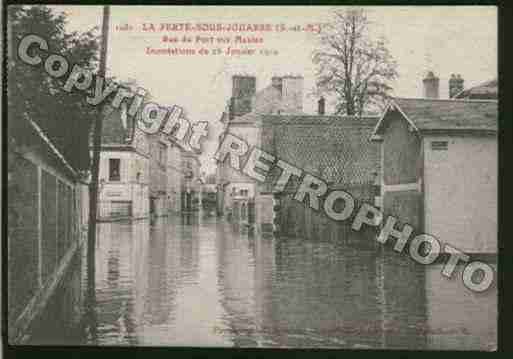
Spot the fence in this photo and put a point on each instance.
(296, 219)
(44, 220)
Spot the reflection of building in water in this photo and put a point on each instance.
(140, 268)
(115, 282)
(157, 303)
(265, 267)
(236, 281)
(458, 317)
(402, 303)
(326, 294)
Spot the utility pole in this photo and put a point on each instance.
(93, 186)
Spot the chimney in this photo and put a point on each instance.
(321, 106)
(277, 83)
(431, 86)
(243, 89)
(292, 94)
(455, 85)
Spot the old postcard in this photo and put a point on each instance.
(261, 177)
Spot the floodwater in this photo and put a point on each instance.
(201, 281)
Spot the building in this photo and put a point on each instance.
(486, 91)
(283, 96)
(439, 160)
(191, 181)
(209, 197)
(47, 209)
(335, 148)
(175, 177)
(124, 174)
(158, 184)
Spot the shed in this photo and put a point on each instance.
(439, 168)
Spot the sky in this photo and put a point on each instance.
(444, 39)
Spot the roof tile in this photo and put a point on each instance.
(436, 114)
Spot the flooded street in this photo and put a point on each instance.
(201, 281)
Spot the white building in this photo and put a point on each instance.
(124, 170)
(439, 160)
(283, 96)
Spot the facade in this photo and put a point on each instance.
(283, 96)
(183, 179)
(47, 225)
(124, 175)
(191, 182)
(174, 177)
(434, 153)
(159, 202)
(336, 148)
(124, 183)
(209, 197)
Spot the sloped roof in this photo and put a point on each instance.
(35, 127)
(327, 120)
(336, 148)
(114, 130)
(486, 90)
(445, 115)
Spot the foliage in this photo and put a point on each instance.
(65, 117)
(351, 65)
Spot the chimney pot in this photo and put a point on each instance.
(431, 86)
(277, 83)
(243, 88)
(321, 106)
(455, 85)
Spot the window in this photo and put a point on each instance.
(244, 192)
(114, 174)
(439, 145)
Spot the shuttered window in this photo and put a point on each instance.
(439, 145)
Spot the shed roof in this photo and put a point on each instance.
(336, 148)
(427, 115)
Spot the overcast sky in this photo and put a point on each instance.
(443, 39)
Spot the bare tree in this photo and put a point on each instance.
(351, 65)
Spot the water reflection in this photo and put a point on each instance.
(196, 281)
